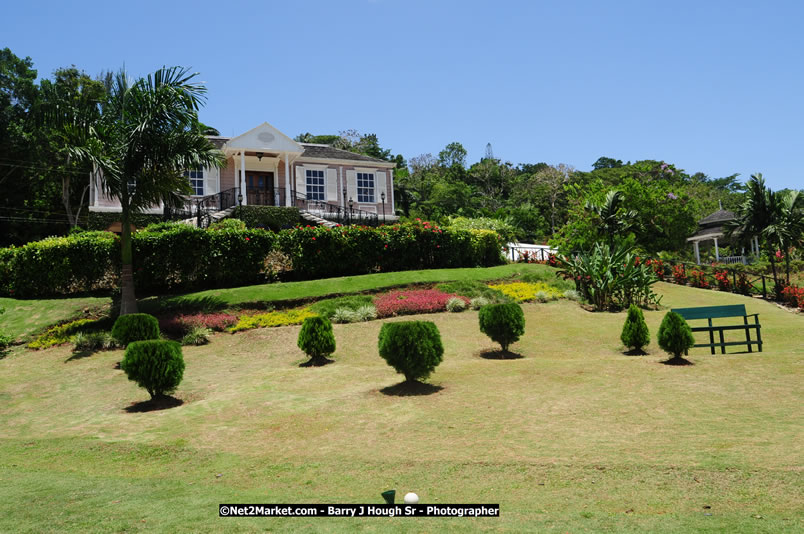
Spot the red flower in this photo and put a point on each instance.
(248, 239)
(313, 239)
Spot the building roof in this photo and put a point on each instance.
(718, 217)
(328, 152)
(312, 150)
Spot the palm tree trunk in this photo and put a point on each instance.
(128, 300)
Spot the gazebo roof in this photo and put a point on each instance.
(719, 217)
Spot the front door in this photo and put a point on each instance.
(260, 188)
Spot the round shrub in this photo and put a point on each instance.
(675, 335)
(635, 332)
(135, 327)
(156, 365)
(316, 339)
(503, 323)
(413, 348)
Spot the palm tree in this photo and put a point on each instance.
(146, 138)
(613, 220)
(775, 218)
(787, 226)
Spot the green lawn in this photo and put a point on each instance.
(348, 284)
(25, 317)
(573, 437)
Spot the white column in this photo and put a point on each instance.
(697, 253)
(393, 209)
(287, 181)
(341, 185)
(756, 241)
(243, 177)
(717, 253)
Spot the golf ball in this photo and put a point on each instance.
(411, 498)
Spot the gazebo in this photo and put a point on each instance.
(712, 227)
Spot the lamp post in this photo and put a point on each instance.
(351, 203)
(382, 196)
(344, 202)
(240, 204)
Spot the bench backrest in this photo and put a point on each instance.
(711, 312)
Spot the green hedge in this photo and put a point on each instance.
(183, 258)
(268, 217)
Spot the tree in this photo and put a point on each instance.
(675, 336)
(317, 340)
(554, 178)
(607, 163)
(67, 109)
(453, 155)
(786, 229)
(503, 323)
(146, 138)
(613, 219)
(635, 332)
(413, 348)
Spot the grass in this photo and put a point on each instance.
(240, 296)
(573, 437)
(25, 317)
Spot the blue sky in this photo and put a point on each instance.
(710, 86)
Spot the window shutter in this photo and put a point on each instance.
(380, 187)
(301, 181)
(332, 185)
(351, 185)
(211, 181)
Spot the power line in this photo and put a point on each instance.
(45, 169)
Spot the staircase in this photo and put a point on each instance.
(307, 216)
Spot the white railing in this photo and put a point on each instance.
(733, 259)
(517, 251)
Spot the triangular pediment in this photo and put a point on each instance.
(265, 138)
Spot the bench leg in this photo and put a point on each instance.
(722, 346)
(747, 334)
(759, 334)
(711, 337)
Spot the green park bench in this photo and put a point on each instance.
(717, 312)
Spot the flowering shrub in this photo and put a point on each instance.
(610, 277)
(743, 286)
(680, 274)
(413, 301)
(698, 279)
(525, 291)
(274, 318)
(722, 279)
(181, 324)
(59, 335)
(657, 266)
(794, 296)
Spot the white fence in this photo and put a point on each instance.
(518, 251)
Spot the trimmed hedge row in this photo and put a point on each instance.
(186, 258)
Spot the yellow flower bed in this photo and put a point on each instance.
(274, 318)
(58, 335)
(525, 291)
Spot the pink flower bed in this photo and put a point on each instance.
(413, 301)
(180, 324)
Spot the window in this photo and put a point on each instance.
(196, 177)
(365, 187)
(315, 184)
